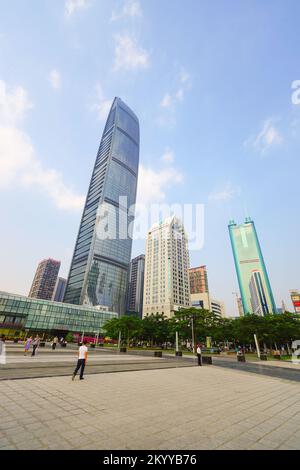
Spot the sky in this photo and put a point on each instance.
(214, 85)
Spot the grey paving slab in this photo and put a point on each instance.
(174, 408)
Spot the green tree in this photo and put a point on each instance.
(130, 328)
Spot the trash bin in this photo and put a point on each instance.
(206, 360)
(178, 353)
(157, 353)
(241, 358)
(123, 350)
(263, 357)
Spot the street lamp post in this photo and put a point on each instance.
(193, 336)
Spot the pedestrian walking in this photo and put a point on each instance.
(28, 342)
(2, 350)
(199, 355)
(82, 358)
(35, 345)
(54, 343)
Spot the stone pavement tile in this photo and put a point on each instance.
(289, 446)
(293, 441)
(243, 441)
(4, 442)
(29, 444)
(267, 443)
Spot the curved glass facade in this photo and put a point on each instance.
(23, 313)
(101, 259)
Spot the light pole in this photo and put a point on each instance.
(119, 341)
(193, 335)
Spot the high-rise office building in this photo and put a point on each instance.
(100, 263)
(240, 306)
(198, 280)
(59, 291)
(166, 284)
(254, 284)
(136, 285)
(218, 307)
(44, 281)
(199, 288)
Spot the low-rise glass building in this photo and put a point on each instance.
(23, 314)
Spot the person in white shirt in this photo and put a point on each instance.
(2, 350)
(82, 358)
(199, 355)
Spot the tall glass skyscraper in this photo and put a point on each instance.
(101, 259)
(255, 288)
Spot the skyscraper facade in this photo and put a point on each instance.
(218, 307)
(136, 285)
(59, 291)
(198, 280)
(44, 281)
(100, 263)
(199, 288)
(254, 284)
(166, 284)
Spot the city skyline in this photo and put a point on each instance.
(190, 151)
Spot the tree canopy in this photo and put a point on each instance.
(157, 329)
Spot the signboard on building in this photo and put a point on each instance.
(295, 296)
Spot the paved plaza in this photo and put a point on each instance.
(176, 408)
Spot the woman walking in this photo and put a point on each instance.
(27, 345)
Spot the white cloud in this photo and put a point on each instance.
(55, 79)
(185, 77)
(19, 164)
(167, 101)
(225, 194)
(13, 105)
(152, 185)
(268, 137)
(131, 8)
(103, 105)
(172, 99)
(168, 156)
(128, 54)
(71, 6)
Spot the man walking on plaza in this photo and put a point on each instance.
(82, 358)
(35, 345)
(199, 355)
(2, 350)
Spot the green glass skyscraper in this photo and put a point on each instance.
(254, 284)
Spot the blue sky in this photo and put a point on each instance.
(211, 82)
